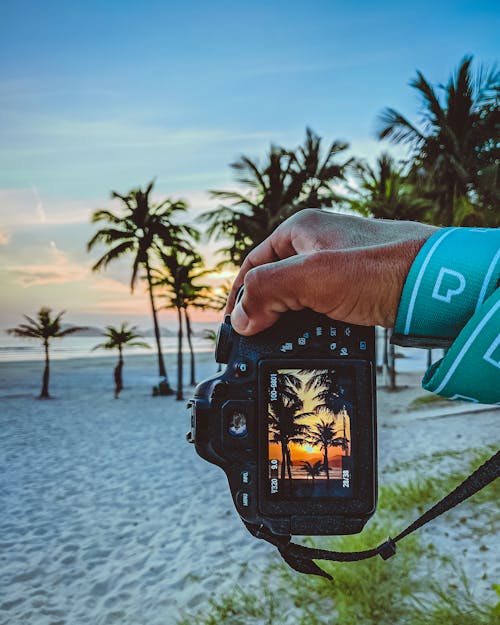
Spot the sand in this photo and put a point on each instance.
(108, 516)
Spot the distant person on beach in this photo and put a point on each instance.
(433, 285)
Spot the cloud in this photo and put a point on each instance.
(24, 206)
(58, 270)
(4, 237)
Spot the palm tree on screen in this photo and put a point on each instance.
(142, 229)
(118, 338)
(324, 435)
(44, 328)
(312, 470)
(283, 416)
(329, 393)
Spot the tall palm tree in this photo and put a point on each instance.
(324, 435)
(117, 339)
(180, 270)
(284, 413)
(143, 229)
(330, 394)
(285, 429)
(289, 181)
(197, 296)
(44, 328)
(455, 148)
(176, 267)
(386, 192)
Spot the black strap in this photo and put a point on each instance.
(301, 558)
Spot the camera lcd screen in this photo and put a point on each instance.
(310, 416)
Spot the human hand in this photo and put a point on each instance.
(349, 268)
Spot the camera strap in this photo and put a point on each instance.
(301, 558)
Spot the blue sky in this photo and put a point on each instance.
(97, 96)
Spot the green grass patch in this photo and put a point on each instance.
(370, 592)
(426, 400)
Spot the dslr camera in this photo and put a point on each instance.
(292, 422)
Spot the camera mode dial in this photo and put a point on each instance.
(224, 341)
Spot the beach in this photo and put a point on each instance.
(109, 516)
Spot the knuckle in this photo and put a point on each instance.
(253, 281)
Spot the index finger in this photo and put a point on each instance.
(272, 249)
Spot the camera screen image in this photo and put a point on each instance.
(309, 420)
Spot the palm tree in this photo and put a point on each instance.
(455, 150)
(211, 335)
(330, 393)
(45, 327)
(312, 470)
(323, 434)
(197, 296)
(143, 229)
(181, 269)
(289, 181)
(386, 191)
(284, 413)
(117, 339)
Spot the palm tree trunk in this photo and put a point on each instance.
(161, 364)
(325, 461)
(45, 386)
(429, 358)
(118, 373)
(191, 351)
(179, 395)
(283, 460)
(392, 368)
(385, 357)
(289, 463)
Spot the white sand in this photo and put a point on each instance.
(108, 516)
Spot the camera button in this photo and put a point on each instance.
(243, 499)
(286, 347)
(246, 477)
(241, 368)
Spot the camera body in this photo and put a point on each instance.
(292, 422)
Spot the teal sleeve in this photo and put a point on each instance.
(452, 294)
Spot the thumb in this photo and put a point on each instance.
(271, 290)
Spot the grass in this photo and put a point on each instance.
(426, 400)
(370, 592)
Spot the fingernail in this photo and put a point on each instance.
(239, 319)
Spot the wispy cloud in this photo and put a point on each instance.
(58, 270)
(4, 237)
(24, 206)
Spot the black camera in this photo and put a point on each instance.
(292, 422)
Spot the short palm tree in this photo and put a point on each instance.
(312, 470)
(44, 328)
(142, 229)
(289, 181)
(118, 338)
(455, 149)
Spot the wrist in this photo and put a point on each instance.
(451, 276)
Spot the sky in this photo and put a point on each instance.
(101, 96)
